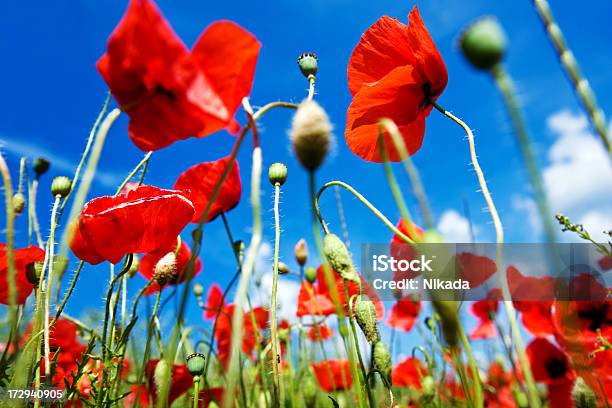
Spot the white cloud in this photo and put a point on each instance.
(454, 227)
(596, 222)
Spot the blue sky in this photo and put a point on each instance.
(52, 93)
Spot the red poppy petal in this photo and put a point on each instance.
(214, 301)
(382, 48)
(21, 259)
(548, 363)
(484, 330)
(474, 268)
(404, 313)
(199, 181)
(227, 54)
(408, 373)
(340, 378)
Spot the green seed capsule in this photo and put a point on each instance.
(336, 253)
(196, 363)
(382, 359)
(365, 314)
(311, 274)
(61, 186)
(484, 43)
(308, 63)
(277, 174)
(60, 265)
(18, 203)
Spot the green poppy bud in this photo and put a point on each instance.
(60, 265)
(162, 374)
(198, 289)
(33, 272)
(196, 363)
(165, 269)
(61, 186)
(309, 391)
(40, 166)
(277, 174)
(18, 203)
(310, 134)
(365, 314)
(308, 63)
(484, 43)
(583, 396)
(300, 251)
(428, 386)
(447, 310)
(311, 274)
(213, 404)
(283, 268)
(382, 360)
(337, 254)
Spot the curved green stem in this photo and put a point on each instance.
(276, 354)
(143, 163)
(49, 281)
(570, 65)
(534, 398)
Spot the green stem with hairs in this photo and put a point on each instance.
(196, 391)
(532, 391)
(276, 354)
(570, 65)
(49, 281)
(10, 247)
(33, 225)
(143, 163)
(311, 87)
(145, 357)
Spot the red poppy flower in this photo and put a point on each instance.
(408, 373)
(404, 313)
(340, 378)
(605, 263)
(214, 302)
(474, 268)
(393, 72)
(146, 219)
(400, 249)
(198, 183)
(485, 310)
(169, 92)
(320, 332)
(149, 261)
(180, 382)
(143, 398)
(21, 259)
(551, 366)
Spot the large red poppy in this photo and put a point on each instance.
(475, 269)
(393, 72)
(170, 92)
(485, 310)
(551, 366)
(198, 183)
(404, 313)
(408, 373)
(149, 261)
(146, 219)
(21, 259)
(180, 381)
(340, 378)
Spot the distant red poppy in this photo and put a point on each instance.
(214, 301)
(408, 373)
(198, 183)
(149, 261)
(551, 366)
(533, 298)
(319, 332)
(180, 381)
(605, 263)
(400, 249)
(485, 310)
(169, 92)
(340, 378)
(143, 398)
(146, 219)
(475, 269)
(22, 258)
(404, 313)
(393, 72)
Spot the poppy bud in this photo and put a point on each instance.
(213, 404)
(60, 264)
(40, 166)
(583, 396)
(196, 364)
(447, 310)
(308, 63)
(484, 43)
(310, 134)
(165, 269)
(162, 374)
(61, 186)
(336, 253)
(428, 386)
(382, 360)
(134, 266)
(309, 391)
(300, 251)
(311, 274)
(18, 203)
(33, 272)
(283, 268)
(277, 173)
(365, 314)
(198, 289)
(432, 237)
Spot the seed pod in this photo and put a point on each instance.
(484, 43)
(198, 289)
(165, 269)
(336, 253)
(311, 274)
(382, 360)
(283, 268)
(277, 173)
(196, 364)
(33, 272)
(308, 63)
(18, 203)
(309, 391)
(310, 134)
(40, 166)
(583, 396)
(60, 265)
(300, 251)
(365, 314)
(61, 186)
(162, 374)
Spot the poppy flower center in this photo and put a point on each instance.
(555, 368)
(596, 315)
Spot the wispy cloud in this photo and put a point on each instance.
(16, 147)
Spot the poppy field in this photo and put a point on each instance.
(195, 313)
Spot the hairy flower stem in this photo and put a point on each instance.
(570, 65)
(311, 87)
(145, 356)
(276, 353)
(49, 282)
(33, 225)
(532, 392)
(506, 87)
(476, 383)
(10, 246)
(411, 170)
(143, 163)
